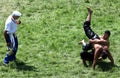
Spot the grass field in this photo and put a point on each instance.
(49, 36)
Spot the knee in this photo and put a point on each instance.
(86, 23)
(14, 50)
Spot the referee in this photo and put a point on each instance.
(10, 36)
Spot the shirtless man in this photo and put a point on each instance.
(101, 46)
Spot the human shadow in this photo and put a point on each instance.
(106, 66)
(20, 66)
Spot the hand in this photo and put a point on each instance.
(18, 22)
(112, 63)
(9, 44)
(90, 40)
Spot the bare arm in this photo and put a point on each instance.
(110, 57)
(97, 41)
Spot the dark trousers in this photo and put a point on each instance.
(91, 35)
(14, 49)
(89, 32)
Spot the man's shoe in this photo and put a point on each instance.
(5, 64)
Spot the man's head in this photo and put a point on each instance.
(106, 34)
(16, 14)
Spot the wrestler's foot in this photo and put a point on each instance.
(5, 63)
(82, 42)
(89, 10)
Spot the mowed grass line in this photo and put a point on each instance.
(49, 36)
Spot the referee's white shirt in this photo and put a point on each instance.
(10, 25)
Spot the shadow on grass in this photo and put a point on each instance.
(106, 66)
(21, 66)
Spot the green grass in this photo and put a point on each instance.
(49, 36)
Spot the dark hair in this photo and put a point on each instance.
(107, 32)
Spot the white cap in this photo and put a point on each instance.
(16, 13)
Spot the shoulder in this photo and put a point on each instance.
(8, 23)
(9, 20)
